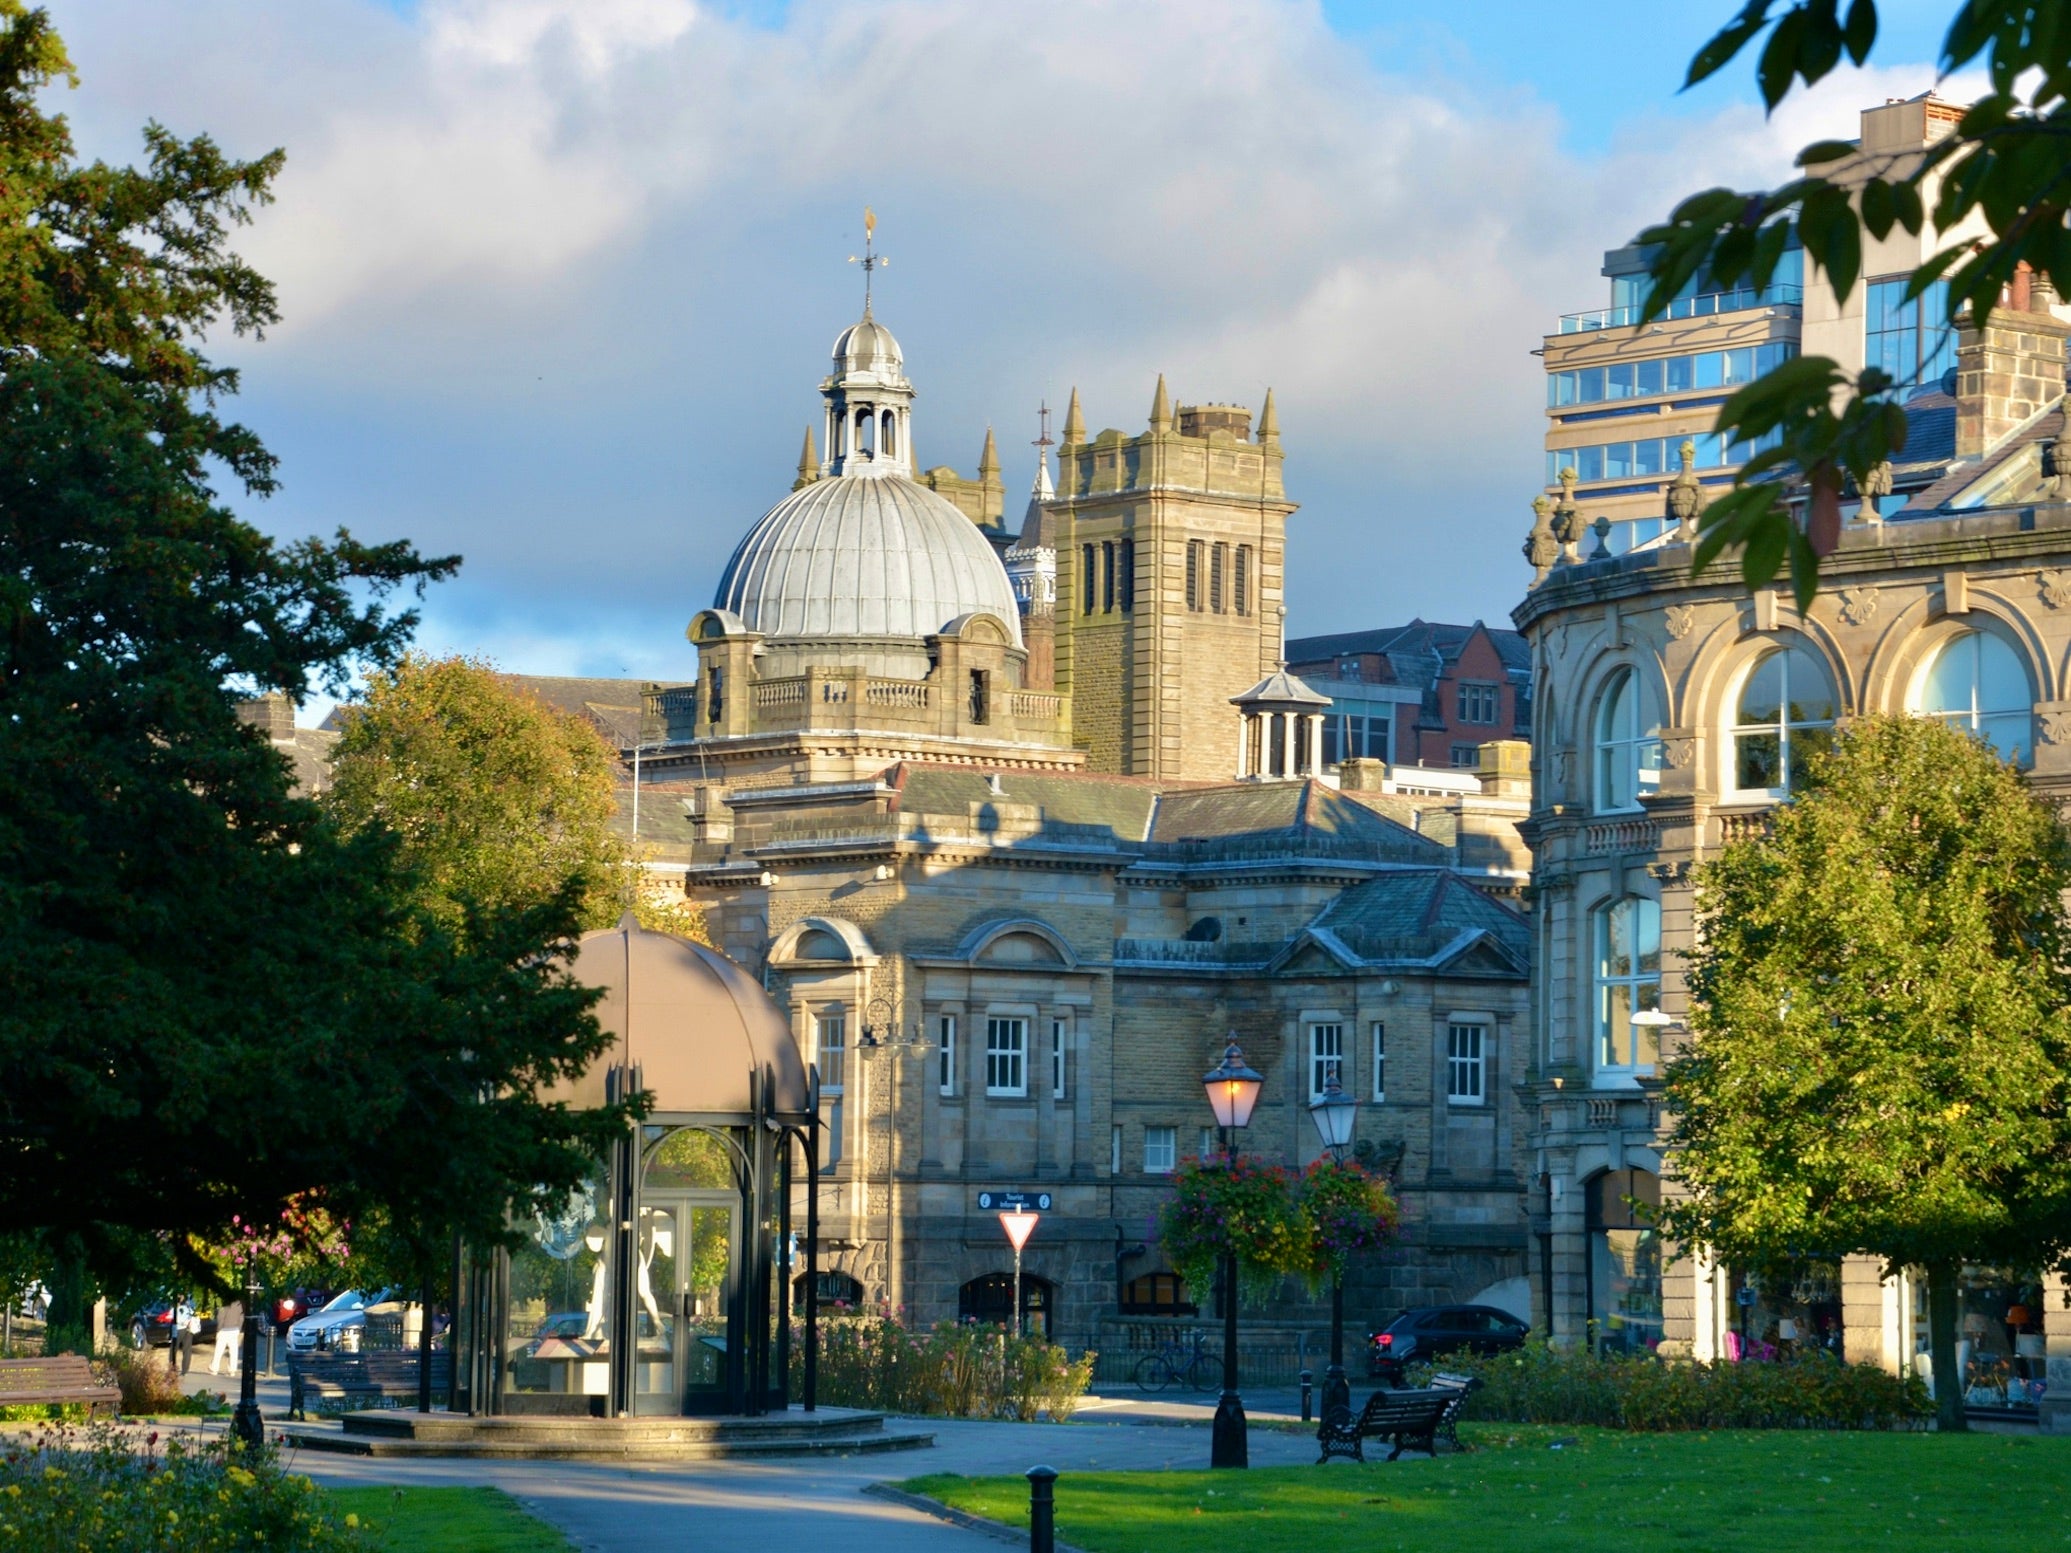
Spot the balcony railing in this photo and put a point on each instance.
(1701, 306)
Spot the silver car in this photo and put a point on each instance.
(339, 1324)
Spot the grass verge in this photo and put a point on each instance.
(1539, 1490)
(446, 1520)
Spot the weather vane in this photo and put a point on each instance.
(1045, 441)
(871, 257)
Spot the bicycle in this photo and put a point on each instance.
(1184, 1363)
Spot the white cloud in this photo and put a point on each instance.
(525, 247)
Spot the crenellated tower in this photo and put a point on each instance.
(1169, 556)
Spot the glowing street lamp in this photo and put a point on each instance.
(1233, 1088)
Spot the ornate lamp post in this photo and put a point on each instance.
(1233, 1089)
(246, 1426)
(1333, 1113)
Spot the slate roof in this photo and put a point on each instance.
(1290, 818)
(1417, 651)
(1413, 914)
(1120, 804)
(1929, 501)
(612, 704)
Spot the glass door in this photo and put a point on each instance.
(684, 1304)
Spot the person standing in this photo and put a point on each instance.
(180, 1353)
(229, 1337)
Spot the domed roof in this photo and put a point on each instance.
(695, 1023)
(869, 554)
(868, 346)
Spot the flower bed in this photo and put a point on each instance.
(99, 1488)
(954, 1370)
(1544, 1385)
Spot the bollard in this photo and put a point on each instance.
(1042, 1510)
(1307, 1381)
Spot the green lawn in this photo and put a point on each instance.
(1728, 1492)
(447, 1520)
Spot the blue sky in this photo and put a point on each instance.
(560, 276)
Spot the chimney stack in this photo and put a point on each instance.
(2008, 371)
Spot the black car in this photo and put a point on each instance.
(152, 1326)
(1430, 1331)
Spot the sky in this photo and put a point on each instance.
(559, 278)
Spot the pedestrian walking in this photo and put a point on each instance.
(229, 1337)
(180, 1352)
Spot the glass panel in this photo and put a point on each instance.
(655, 1302)
(1589, 463)
(1590, 381)
(1649, 378)
(2010, 734)
(704, 1291)
(1711, 368)
(1621, 380)
(1618, 1026)
(1761, 698)
(1646, 935)
(1625, 1275)
(1951, 678)
(1617, 460)
(1682, 373)
(1757, 760)
(1804, 744)
(1647, 1038)
(1811, 694)
(1618, 940)
(558, 1319)
(1647, 457)
(2002, 681)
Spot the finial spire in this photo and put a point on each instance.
(808, 463)
(989, 458)
(1161, 408)
(1269, 423)
(871, 257)
(1044, 490)
(1074, 424)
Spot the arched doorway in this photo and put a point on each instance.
(989, 1301)
(1624, 1268)
(838, 1292)
(688, 1281)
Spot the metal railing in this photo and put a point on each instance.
(1703, 305)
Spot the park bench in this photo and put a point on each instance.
(343, 1382)
(1461, 1386)
(65, 1378)
(1409, 1418)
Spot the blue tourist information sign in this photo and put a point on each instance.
(1014, 1202)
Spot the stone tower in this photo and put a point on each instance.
(1169, 553)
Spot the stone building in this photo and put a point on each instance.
(1013, 921)
(1423, 694)
(1669, 716)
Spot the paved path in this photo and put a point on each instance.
(782, 1504)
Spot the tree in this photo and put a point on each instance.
(216, 999)
(497, 798)
(1880, 1051)
(2008, 163)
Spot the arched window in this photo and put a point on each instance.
(838, 1292)
(989, 1301)
(1628, 979)
(888, 436)
(1157, 1294)
(1628, 746)
(1785, 710)
(1978, 683)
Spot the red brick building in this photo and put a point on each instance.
(1418, 695)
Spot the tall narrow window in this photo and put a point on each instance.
(1127, 585)
(1060, 1033)
(1380, 1061)
(1785, 711)
(981, 695)
(1218, 569)
(1463, 1064)
(1086, 584)
(1114, 1150)
(1240, 582)
(945, 1034)
(1977, 683)
(1628, 980)
(1628, 747)
(715, 698)
(830, 1049)
(1326, 1058)
(1194, 574)
(1107, 577)
(1006, 1056)
(1479, 703)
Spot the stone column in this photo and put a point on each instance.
(1866, 1328)
(2056, 1328)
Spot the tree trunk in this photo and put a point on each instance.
(1941, 1342)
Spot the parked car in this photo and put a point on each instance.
(291, 1306)
(340, 1323)
(152, 1326)
(1432, 1331)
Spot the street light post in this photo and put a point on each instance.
(246, 1426)
(1232, 1092)
(1333, 1113)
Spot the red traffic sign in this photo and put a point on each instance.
(1019, 1226)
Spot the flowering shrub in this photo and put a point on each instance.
(1544, 1385)
(955, 1370)
(96, 1488)
(1278, 1222)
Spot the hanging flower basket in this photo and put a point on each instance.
(1346, 1209)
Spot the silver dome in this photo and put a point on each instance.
(864, 556)
(868, 346)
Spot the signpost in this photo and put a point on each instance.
(1019, 1213)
